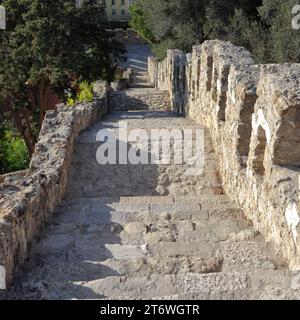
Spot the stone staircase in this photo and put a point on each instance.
(142, 95)
(116, 237)
(149, 231)
(141, 98)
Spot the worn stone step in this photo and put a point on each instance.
(143, 267)
(170, 204)
(184, 230)
(162, 229)
(262, 285)
(72, 269)
(89, 179)
(144, 288)
(94, 247)
(154, 232)
(137, 92)
(139, 99)
(83, 217)
(242, 294)
(111, 241)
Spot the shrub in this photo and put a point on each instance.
(13, 153)
(269, 36)
(85, 94)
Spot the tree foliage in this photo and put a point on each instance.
(138, 22)
(176, 21)
(263, 26)
(184, 23)
(49, 46)
(13, 151)
(271, 37)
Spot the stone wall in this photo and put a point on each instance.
(253, 113)
(124, 82)
(139, 99)
(28, 199)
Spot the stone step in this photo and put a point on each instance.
(89, 179)
(192, 286)
(242, 294)
(192, 283)
(139, 99)
(96, 248)
(139, 233)
(138, 91)
(237, 289)
(243, 250)
(86, 270)
(147, 209)
(185, 230)
(128, 288)
(140, 228)
(83, 216)
(171, 204)
(143, 267)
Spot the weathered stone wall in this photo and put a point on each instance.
(124, 82)
(139, 99)
(253, 113)
(153, 63)
(27, 200)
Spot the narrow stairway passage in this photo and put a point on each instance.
(148, 231)
(115, 236)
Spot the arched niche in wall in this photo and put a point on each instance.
(259, 149)
(286, 147)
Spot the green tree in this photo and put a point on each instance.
(262, 26)
(184, 23)
(48, 47)
(179, 22)
(219, 14)
(138, 22)
(270, 37)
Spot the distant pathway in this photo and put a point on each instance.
(138, 61)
